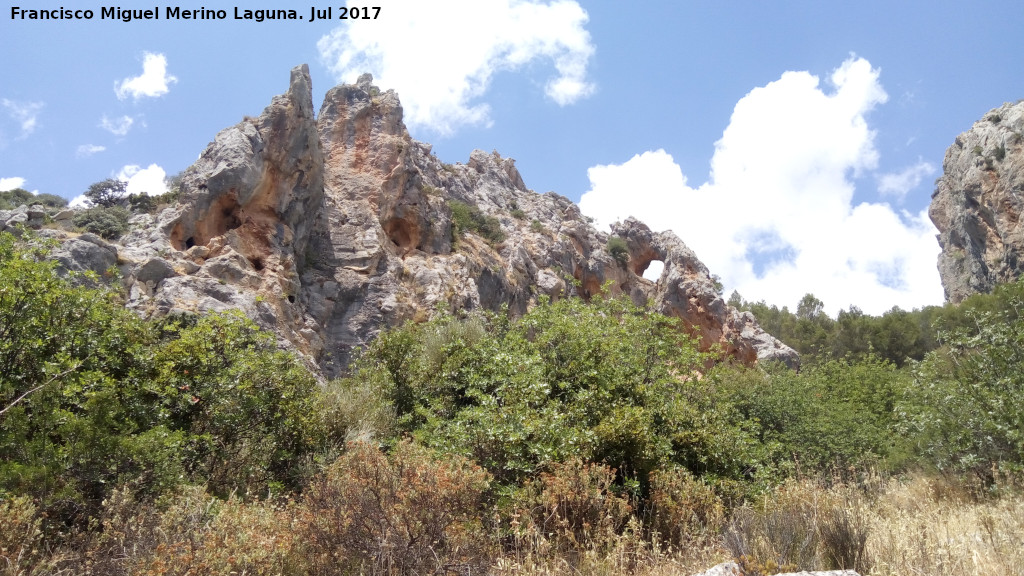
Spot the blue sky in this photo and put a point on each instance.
(793, 145)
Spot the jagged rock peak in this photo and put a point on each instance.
(977, 205)
(329, 230)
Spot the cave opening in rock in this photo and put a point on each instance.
(403, 232)
(222, 216)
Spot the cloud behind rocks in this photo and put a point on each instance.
(775, 218)
(487, 37)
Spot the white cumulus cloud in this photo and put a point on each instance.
(25, 114)
(117, 126)
(86, 150)
(154, 81)
(149, 180)
(11, 183)
(898, 184)
(776, 218)
(474, 39)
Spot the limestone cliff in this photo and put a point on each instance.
(978, 202)
(328, 229)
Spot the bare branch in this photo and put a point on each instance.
(43, 385)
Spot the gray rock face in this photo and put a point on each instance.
(329, 230)
(86, 253)
(978, 202)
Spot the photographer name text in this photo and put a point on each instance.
(314, 14)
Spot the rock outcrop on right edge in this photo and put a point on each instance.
(978, 202)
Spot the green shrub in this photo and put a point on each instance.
(518, 214)
(91, 396)
(11, 199)
(107, 223)
(619, 250)
(245, 407)
(968, 402)
(536, 226)
(107, 193)
(50, 200)
(832, 415)
(142, 203)
(469, 218)
(568, 380)
(999, 153)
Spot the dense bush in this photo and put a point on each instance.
(829, 416)
(91, 396)
(568, 380)
(682, 510)
(107, 193)
(469, 218)
(618, 249)
(571, 510)
(10, 199)
(967, 407)
(107, 223)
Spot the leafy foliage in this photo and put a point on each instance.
(469, 218)
(91, 396)
(107, 193)
(618, 249)
(602, 382)
(832, 415)
(968, 405)
(10, 199)
(107, 223)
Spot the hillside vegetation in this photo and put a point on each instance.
(579, 438)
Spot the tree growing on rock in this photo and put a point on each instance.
(107, 193)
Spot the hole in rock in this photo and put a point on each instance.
(291, 298)
(257, 263)
(403, 232)
(220, 218)
(652, 271)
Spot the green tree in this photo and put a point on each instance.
(246, 408)
(968, 405)
(92, 396)
(604, 382)
(107, 193)
(71, 364)
(10, 199)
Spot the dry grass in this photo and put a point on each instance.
(411, 514)
(922, 527)
(917, 527)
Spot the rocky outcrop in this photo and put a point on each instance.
(22, 217)
(329, 229)
(978, 202)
